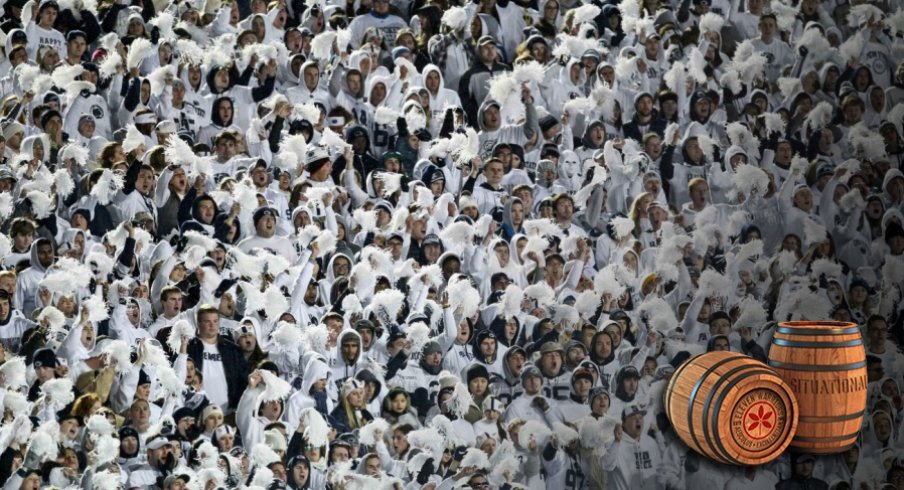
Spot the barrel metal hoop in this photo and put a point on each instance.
(816, 419)
(671, 386)
(821, 331)
(817, 368)
(690, 403)
(718, 405)
(817, 345)
(845, 437)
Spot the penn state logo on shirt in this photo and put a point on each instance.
(770, 58)
(97, 111)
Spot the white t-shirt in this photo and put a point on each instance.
(215, 386)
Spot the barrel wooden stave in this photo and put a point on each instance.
(703, 395)
(824, 363)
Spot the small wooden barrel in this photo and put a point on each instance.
(824, 363)
(731, 408)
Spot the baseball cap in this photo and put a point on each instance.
(486, 40)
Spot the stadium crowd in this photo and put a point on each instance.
(396, 244)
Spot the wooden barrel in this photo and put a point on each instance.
(731, 408)
(824, 363)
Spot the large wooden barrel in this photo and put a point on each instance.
(824, 363)
(731, 408)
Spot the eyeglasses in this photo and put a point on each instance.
(479, 485)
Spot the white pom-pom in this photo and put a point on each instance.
(367, 434)
(658, 314)
(316, 337)
(121, 352)
(587, 303)
(533, 430)
(55, 318)
(182, 328)
(106, 187)
(387, 304)
(564, 434)
(97, 308)
(510, 302)
(415, 120)
(429, 440)
(624, 227)
(713, 284)
(585, 13)
(100, 425)
(750, 180)
(262, 455)
(13, 371)
(333, 141)
(58, 391)
(711, 22)
(818, 117)
(322, 45)
(6, 206)
(326, 243)
(140, 49)
(41, 204)
(814, 232)
(597, 433)
(463, 298)
(852, 48)
(456, 18)
(287, 337)
(386, 115)
(475, 458)
(752, 314)
(133, 139)
(542, 293)
(316, 431)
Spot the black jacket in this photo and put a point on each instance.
(233, 364)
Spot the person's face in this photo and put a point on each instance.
(225, 149)
(721, 344)
(399, 404)
(552, 362)
(645, 106)
(575, 356)
(354, 82)
(603, 346)
(600, 405)
(502, 254)
(487, 52)
(532, 385)
(494, 172)
(434, 359)
(209, 325)
(477, 386)
(300, 473)
(432, 81)
(491, 117)
(554, 268)
(488, 347)
(145, 181)
(259, 176)
(515, 362)
(349, 351)
(538, 50)
(266, 226)
(45, 255)
(437, 187)
(140, 412)
(877, 332)
(767, 28)
(564, 209)
(247, 342)
(633, 425)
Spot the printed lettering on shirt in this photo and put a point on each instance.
(209, 356)
(642, 460)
